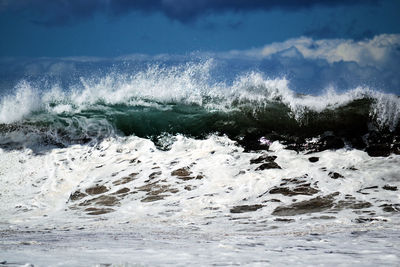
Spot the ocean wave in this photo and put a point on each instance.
(187, 99)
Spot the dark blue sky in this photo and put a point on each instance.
(104, 28)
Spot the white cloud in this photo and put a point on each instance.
(371, 52)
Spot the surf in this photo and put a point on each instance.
(189, 99)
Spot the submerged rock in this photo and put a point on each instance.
(97, 189)
(390, 188)
(162, 189)
(317, 204)
(351, 204)
(185, 174)
(283, 220)
(245, 208)
(147, 187)
(313, 159)
(263, 158)
(181, 172)
(364, 220)
(295, 180)
(268, 162)
(300, 190)
(101, 200)
(185, 178)
(154, 175)
(390, 207)
(155, 191)
(77, 195)
(153, 198)
(121, 191)
(268, 165)
(335, 175)
(125, 180)
(98, 211)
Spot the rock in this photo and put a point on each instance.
(181, 172)
(245, 208)
(324, 217)
(364, 220)
(281, 190)
(272, 200)
(283, 220)
(122, 191)
(101, 200)
(184, 174)
(300, 190)
(199, 177)
(313, 159)
(335, 175)
(378, 150)
(126, 179)
(95, 190)
(153, 198)
(147, 187)
(154, 175)
(342, 204)
(371, 187)
(186, 178)
(268, 162)
(157, 190)
(263, 158)
(268, 165)
(77, 195)
(98, 211)
(317, 204)
(296, 180)
(390, 207)
(135, 160)
(106, 201)
(390, 188)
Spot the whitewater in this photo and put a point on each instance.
(187, 164)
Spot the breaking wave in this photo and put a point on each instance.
(187, 99)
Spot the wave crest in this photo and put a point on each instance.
(188, 98)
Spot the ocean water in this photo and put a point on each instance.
(195, 162)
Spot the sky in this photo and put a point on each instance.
(112, 28)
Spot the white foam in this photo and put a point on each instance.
(227, 180)
(196, 214)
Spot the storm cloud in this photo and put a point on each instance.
(51, 13)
